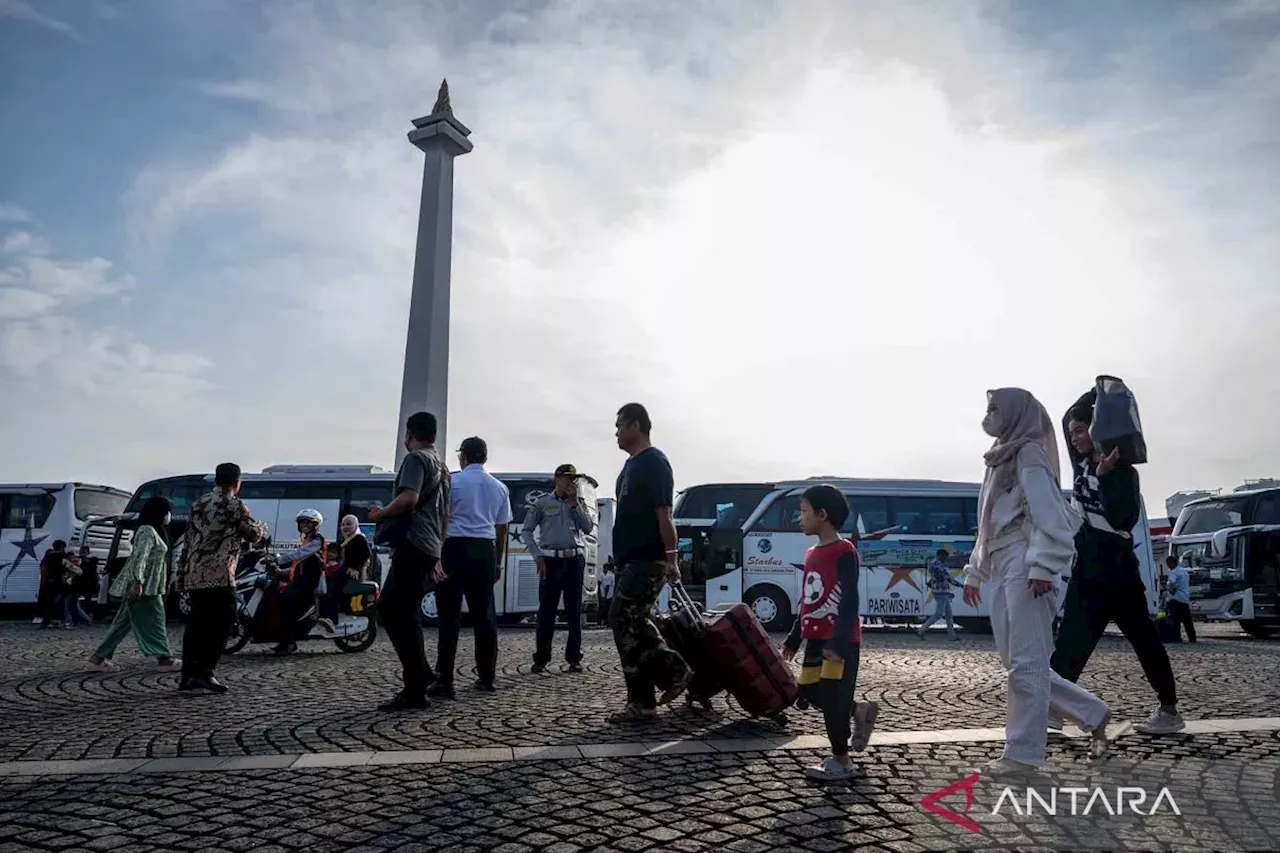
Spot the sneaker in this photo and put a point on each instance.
(632, 713)
(864, 722)
(400, 702)
(538, 667)
(1007, 768)
(440, 691)
(1162, 722)
(170, 665)
(575, 667)
(1100, 742)
(830, 770)
(484, 686)
(677, 687)
(104, 666)
(213, 685)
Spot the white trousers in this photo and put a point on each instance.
(1023, 629)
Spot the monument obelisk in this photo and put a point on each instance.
(441, 137)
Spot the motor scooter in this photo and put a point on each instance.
(258, 618)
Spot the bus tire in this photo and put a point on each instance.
(974, 624)
(1258, 629)
(770, 605)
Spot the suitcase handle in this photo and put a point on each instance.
(688, 607)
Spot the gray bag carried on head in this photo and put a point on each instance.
(1116, 422)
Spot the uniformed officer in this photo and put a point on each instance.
(562, 521)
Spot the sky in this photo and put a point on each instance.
(808, 236)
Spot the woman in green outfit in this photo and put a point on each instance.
(140, 586)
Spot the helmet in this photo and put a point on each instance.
(310, 515)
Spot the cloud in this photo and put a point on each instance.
(14, 213)
(44, 344)
(809, 236)
(24, 11)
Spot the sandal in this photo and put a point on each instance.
(633, 714)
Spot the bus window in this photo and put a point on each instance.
(181, 492)
(929, 516)
(314, 492)
(782, 516)
(523, 493)
(971, 516)
(98, 502)
(872, 509)
(726, 506)
(259, 491)
(1210, 517)
(1268, 510)
(365, 498)
(22, 508)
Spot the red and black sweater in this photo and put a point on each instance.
(829, 599)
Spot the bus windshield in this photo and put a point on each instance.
(1211, 517)
(724, 506)
(98, 502)
(181, 492)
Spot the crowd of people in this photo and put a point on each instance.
(447, 532)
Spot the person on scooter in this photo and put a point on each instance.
(306, 569)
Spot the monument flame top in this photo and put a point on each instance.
(442, 115)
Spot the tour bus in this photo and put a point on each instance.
(34, 515)
(277, 494)
(745, 540)
(1230, 545)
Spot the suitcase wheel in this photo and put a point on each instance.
(779, 719)
(802, 704)
(701, 701)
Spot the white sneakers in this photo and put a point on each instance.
(830, 770)
(1162, 722)
(104, 666)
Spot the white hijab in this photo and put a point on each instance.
(1024, 437)
(354, 523)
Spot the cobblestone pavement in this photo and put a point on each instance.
(323, 700)
(751, 802)
(748, 803)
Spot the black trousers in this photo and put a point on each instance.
(400, 605)
(208, 624)
(563, 581)
(1180, 612)
(472, 567)
(829, 685)
(1090, 607)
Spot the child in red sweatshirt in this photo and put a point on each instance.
(832, 630)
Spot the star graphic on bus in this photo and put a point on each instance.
(902, 573)
(26, 548)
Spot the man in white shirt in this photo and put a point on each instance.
(607, 580)
(474, 551)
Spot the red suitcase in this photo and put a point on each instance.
(744, 659)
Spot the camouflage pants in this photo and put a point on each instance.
(646, 660)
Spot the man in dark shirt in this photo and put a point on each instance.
(422, 490)
(1106, 583)
(644, 545)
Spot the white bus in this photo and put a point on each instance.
(277, 494)
(745, 539)
(34, 515)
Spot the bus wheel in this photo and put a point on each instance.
(1258, 629)
(770, 605)
(974, 624)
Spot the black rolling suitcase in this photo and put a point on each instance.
(680, 629)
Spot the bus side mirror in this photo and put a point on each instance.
(1218, 544)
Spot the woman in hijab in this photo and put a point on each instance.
(1025, 539)
(140, 587)
(356, 556)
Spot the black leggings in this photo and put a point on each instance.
(829, 685)
(1089, 609)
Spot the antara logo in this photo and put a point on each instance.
(1055, 801)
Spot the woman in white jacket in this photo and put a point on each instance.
(1025, 540)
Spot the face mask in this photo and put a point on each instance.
(991, 424)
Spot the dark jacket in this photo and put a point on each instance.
(1112, 506)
